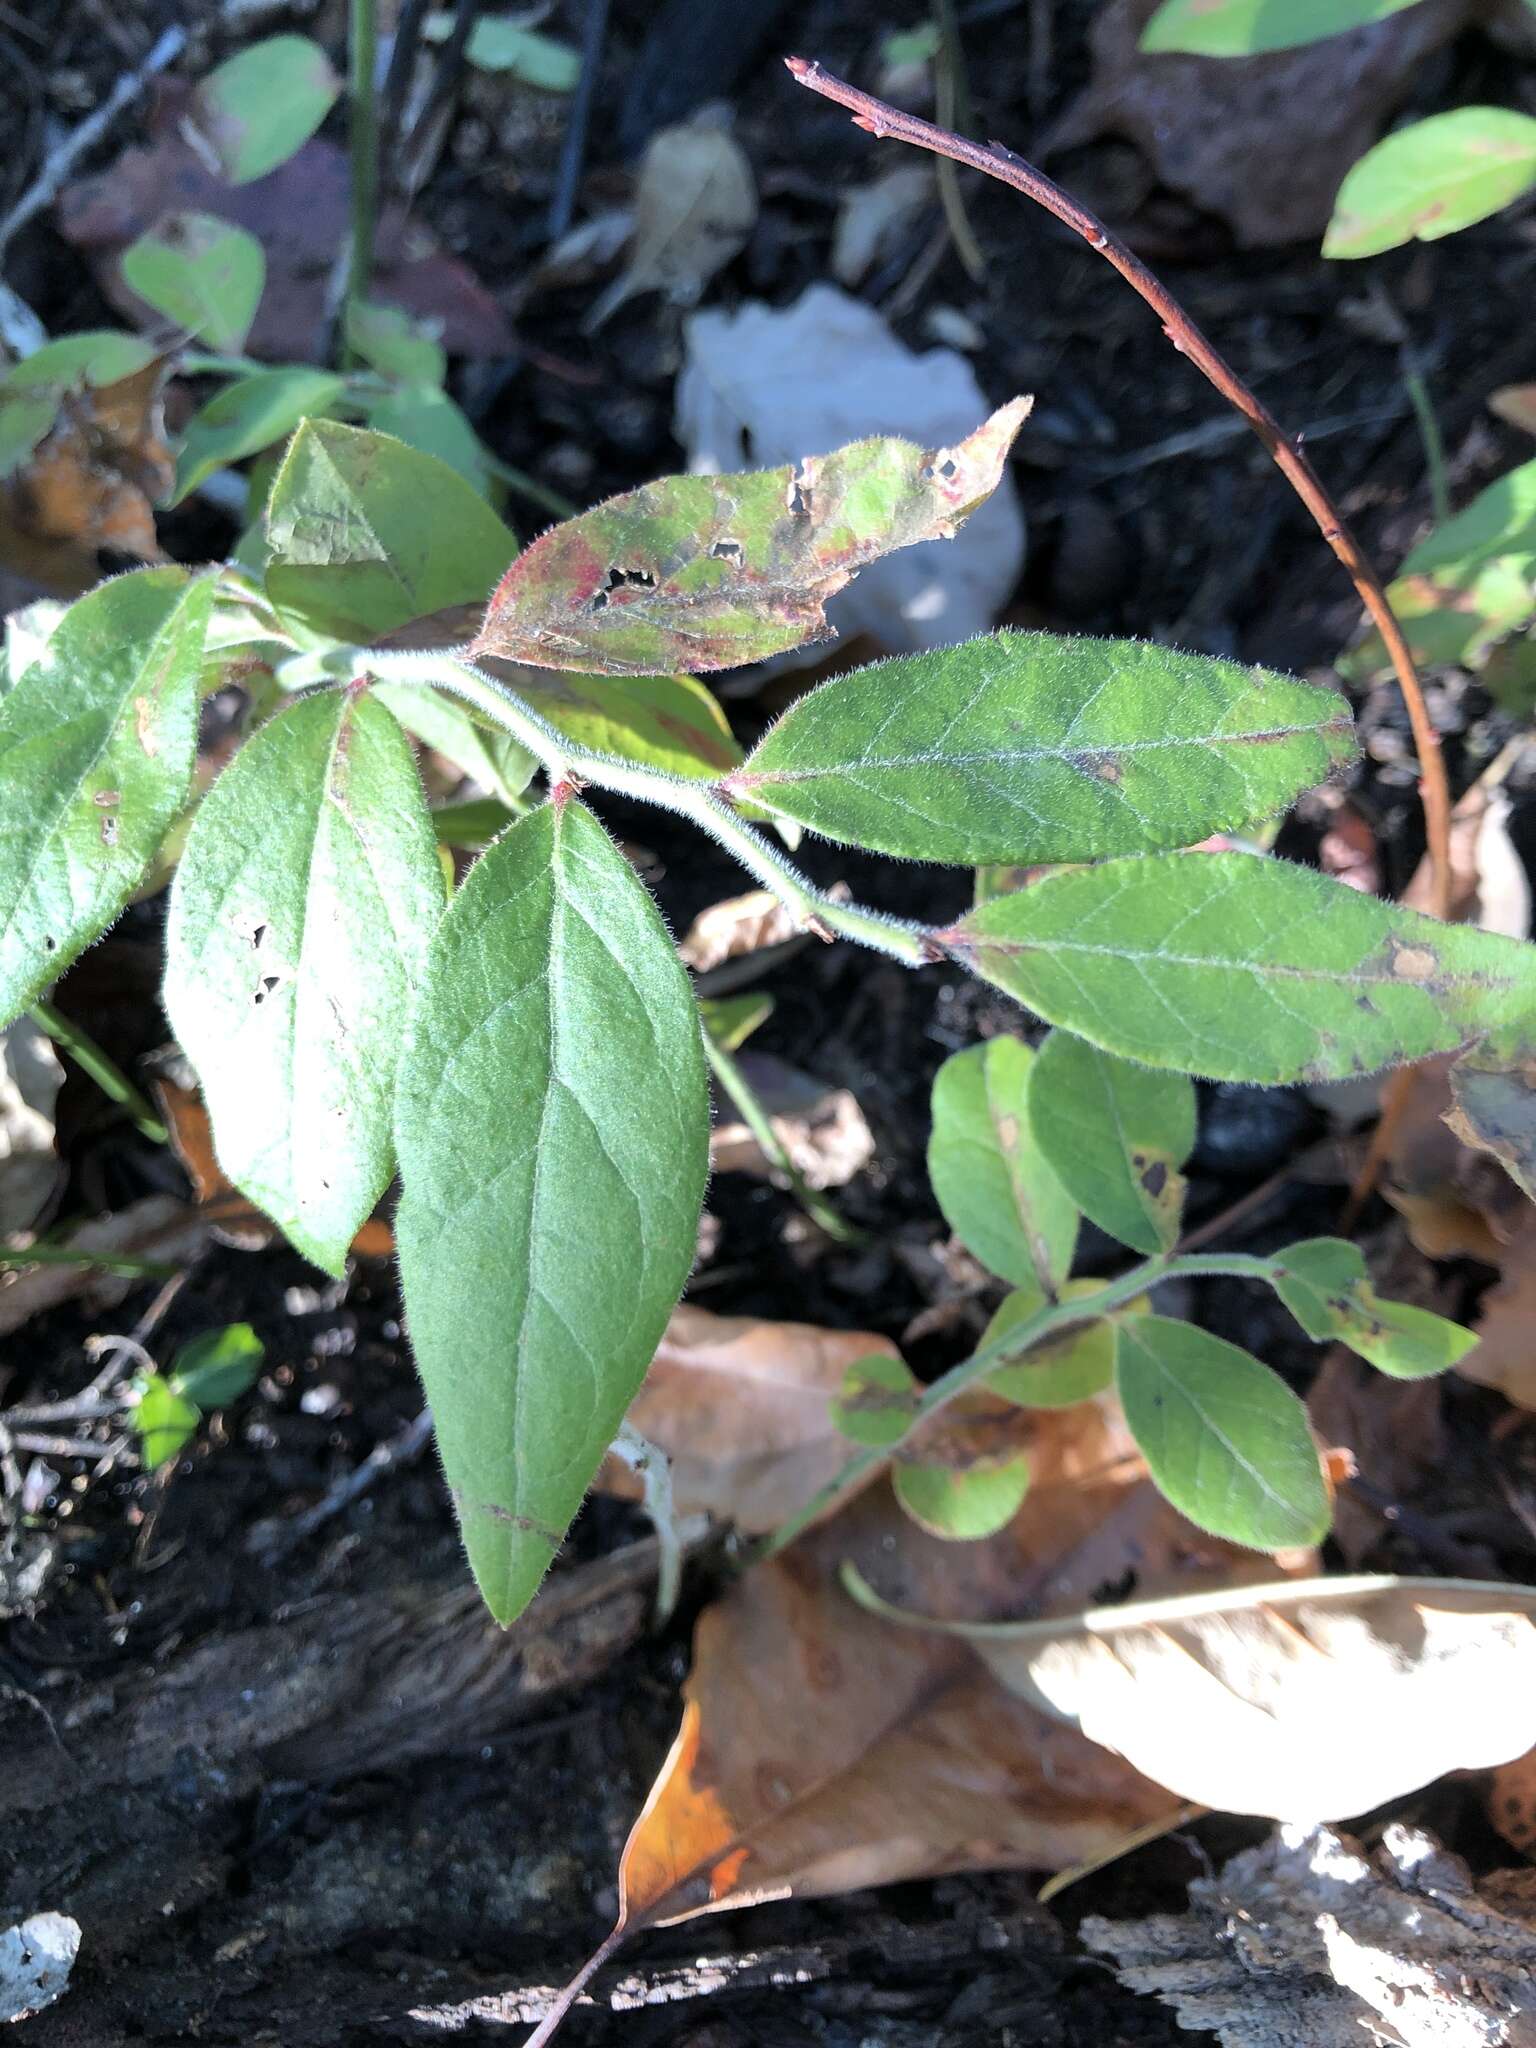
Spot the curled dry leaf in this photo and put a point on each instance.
(1306, 1700)
(708, 572)
(30, 1076)
(735, 927)
(1516, 404)
(873, 219)
(743, 1410)
(1505, 1357)
(1307, 1942)
(695, 206)
(823, 1131)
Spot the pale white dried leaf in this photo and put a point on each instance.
(695, 205)
(872, 219)
(30, 1078)
(36, 1957)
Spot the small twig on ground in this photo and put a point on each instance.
(95, 1402)
(573, 149)
(45, 187)
(999, 162)
(273, 1539)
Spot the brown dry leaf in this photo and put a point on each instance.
(1223, 131)
(1306, 1700)
(822, 1749)
(823, 1131)
(1394, 1431)
(1505, 1357)
(90, 483)
(1489, 885)
(695, 206)
(1307, 1942)
(1511, 1802)
(737, 926)
(743, 1410)
(222, 1209)
(1515, 404)
(1455, 1202)
(158, 1228)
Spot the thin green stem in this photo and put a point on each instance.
(564, 760)
(1429, 433)
(736, 1085)
(363, 142)
(1023, 1338)
(529, 487)
(109, 1262)
(109, 1078)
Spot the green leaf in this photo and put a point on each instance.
(1070, 1368)
(998, 1192)
(963, 1504)
(217, 1367)
(32, 391)
(1467, 585)
(367, 534)
(204, 274)
(1117, 1135)
(553, 1137)
(97, 742)
(490, 757)
(1324, 1283)
(707, 572)
(1243, 968)
(1031, 747)
(1224, 1438)
(394, 344)
(1244, 28)
(497, 44)
(731, 1020)
(1493, 1088)
(427, 419)
(299, 926)
(1431, 178)
(260, 107)
(877, 1402)
(670, 722)
(248, 416)
(474, 822)
(164, 1421)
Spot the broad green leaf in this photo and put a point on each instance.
(1324, 1283)
(963, 1503)
(97, 742)
(553, 1137)
(32, 391)
(1070, 1368)
(1224, 1438)
(204, 274)
(1493, 1087)
(731, 1020)
(1117, 1135)
(1032, 747)
(707, 572)
(498, 44)
(877, 1402)
(1467, 585)
(427, 419)
(493, 759)
(1431, 178)
(367, 534)
(299, 926)
(396, 345)
(1245, 28)
(164, 1421)
(260, 107)
(1242, 968)
(217, 1367)
(998, 1192)
(248, 416)
(670, 722)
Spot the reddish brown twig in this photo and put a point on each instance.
(1001, 163)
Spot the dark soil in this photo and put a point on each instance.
(307, 1882)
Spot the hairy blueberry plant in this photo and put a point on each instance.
(525, 1052)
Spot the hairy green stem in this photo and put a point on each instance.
(363, 143)
(1023, 1338)
(109, 1078)
(736, 1085)
(564, 760)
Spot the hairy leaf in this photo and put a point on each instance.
(971, 1480)
(999, 1194)
(1431, 178)
(247, 416)
(1072, 1367)
(427, 419)
(1306, 1699)
(1033, 747)
(395, 344)
(1117, 1135)
(877, 1402)
(1242, 968)
(300, 919)
(367, 534)
(707, 572)
(553, 1135)
(1224, 1437)
(1324, 1283)
(1245, 28)
(491, 757)
(256, 109)
(97, 742)
(204, 274)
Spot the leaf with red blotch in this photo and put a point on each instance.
(707, 572)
